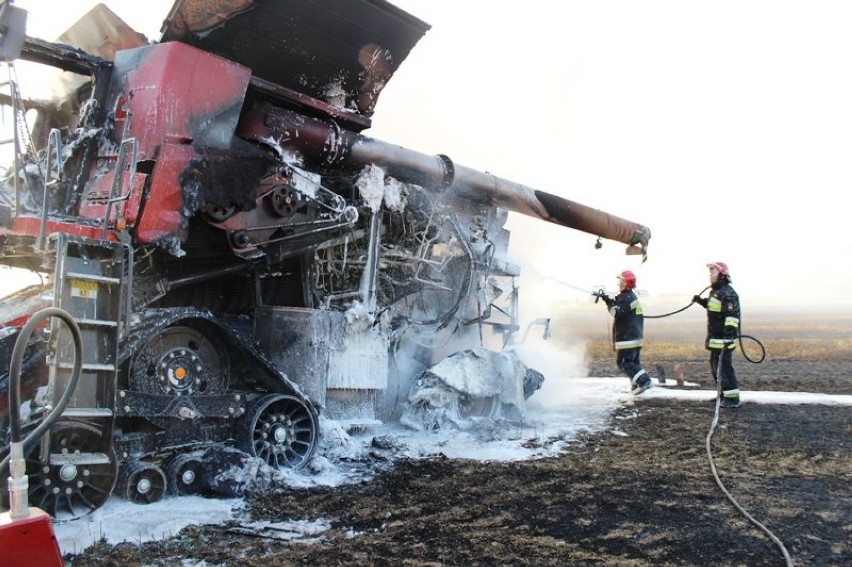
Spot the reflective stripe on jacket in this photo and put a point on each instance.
(628, 320)
(723, 317)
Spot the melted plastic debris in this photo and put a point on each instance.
(296, 531)
(371, 186)
(376, 188)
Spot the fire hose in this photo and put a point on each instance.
(788, 561)
(740, 336)
(598, 294)
(18, 504)
(715, 422)
(712, 430)
(26, 533)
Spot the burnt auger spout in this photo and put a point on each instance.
(324, 143)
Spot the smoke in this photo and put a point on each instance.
(560, 362)
(550, 287)
(544, 298)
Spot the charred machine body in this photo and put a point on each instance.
(240, 258)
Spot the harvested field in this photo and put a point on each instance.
(641, 493)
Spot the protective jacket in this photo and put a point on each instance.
(723, 316)
(628, 320)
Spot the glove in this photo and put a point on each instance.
(696, 299)
(601, 295)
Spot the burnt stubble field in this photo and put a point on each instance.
(643, 496)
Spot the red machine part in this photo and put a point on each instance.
(178, 94)
(29, 541)
(94, 203)
(162, 214)
(180, 97)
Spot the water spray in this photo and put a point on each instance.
(564, 283)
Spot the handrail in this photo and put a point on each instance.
(54, 137)
(118, 178)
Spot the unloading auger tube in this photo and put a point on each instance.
(325, 143)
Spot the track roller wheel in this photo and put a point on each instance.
(280, 429)
(78, 478)
(184, 475)
(143, 483)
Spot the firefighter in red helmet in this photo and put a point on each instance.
(628, 331)
(723, 330)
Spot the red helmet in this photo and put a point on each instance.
(721, 267)
(629, 279)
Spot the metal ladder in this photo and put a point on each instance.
(90, 286)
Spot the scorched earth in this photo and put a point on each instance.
(639, 491)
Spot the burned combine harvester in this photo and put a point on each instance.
(239, 257)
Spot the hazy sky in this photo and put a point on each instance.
(725, 127)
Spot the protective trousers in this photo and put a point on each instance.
(721, 362)
(628, 361)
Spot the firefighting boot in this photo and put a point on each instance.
(641, 384)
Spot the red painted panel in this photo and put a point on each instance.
(178, 93)
(30, 225)
(93, 205)
(161, 215)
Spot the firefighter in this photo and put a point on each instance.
(628, 331)
(723, 329)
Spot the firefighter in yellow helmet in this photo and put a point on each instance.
(628, 331)
(723, 330)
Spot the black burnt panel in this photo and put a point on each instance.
(304, 45)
